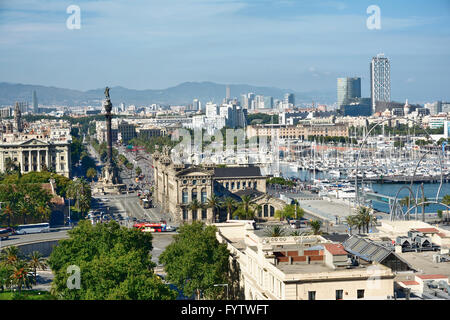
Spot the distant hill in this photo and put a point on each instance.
(183, 93)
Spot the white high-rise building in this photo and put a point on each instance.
(211, 110)
(380, 80)
(196, 105)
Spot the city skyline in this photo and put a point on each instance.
(299, 45)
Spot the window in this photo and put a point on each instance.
(185, 215)
(194, 215)
(244, 184)
(232, 186)
(185, 196)
(238, 185)
(360, 294)
(204, 214)
(339, 294)
(194, 195)
(311, 295)
(194, 182)
(204, 194)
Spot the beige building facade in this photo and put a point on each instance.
(300, 131)
(300, 268)
(35, 155)
(178, 185)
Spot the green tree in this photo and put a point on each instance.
(446, 201)
(194, 206)
(440, 215)
(80, 191)
(215, 204)
(10, 255)
(290, 211)
(315, 226)
(138, 171)
(20, 275)
(352, 221)
(114, 262)
(245, 208)
(274, 231)
(91, 173)
(230, 204)
(36, 262)
(196, 261)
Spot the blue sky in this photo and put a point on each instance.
(302, 45)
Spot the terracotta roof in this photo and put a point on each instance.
(427, 230)
(335, 249)
(443, 235)
(432, 276)
(410, 283)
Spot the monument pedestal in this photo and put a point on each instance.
(109, 182)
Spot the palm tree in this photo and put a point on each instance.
(316, 225)
(36, 262)
(244, 209)
(352, 221)
(229, 203)
(79, 190)
(446, 201)
(10, 255)
(194, 206)
(8, 211)
(20, 275)
(364, 218)
(274, 231)
(91, 173)
(10, 165)
(405, 202)
(440, 215)
(214, 203)
(258, 209)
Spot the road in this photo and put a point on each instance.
(25, 238)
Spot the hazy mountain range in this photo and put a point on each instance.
(181, 94)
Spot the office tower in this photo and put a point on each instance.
(289, 98)
(259, 102)
(250, 100)
(348, 88)
(122, 107)
(196, 105)
(380, 80)
(228, 93)
(268, 102)
(244, 101)
(35, 103)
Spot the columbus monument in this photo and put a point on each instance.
(109, 183)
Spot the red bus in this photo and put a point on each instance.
(151, 227)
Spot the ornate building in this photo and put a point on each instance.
(178, 185)
(36, 146)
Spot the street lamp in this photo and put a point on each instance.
(222, 285)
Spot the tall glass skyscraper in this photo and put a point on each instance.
(380, 80)
(35, 103)
(347, 89)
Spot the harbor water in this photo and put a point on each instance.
(388, 189)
